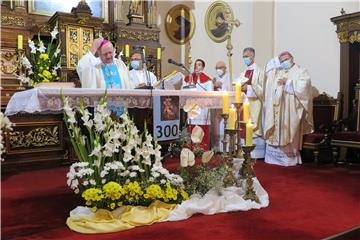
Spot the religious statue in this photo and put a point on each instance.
(134, 16)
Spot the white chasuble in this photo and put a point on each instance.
(288, 114)
(91, 74)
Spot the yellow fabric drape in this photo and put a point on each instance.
(122, 219)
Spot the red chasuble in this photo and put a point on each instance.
(203, 78)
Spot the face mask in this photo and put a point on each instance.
(219, 72)
(247, 61)
(285, 64)
(135, 64)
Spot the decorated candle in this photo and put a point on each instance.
(249, 134)
(232, 117)
(246, 106)
(158, 53)
(20, 41)
(225, 103)
(127, 50)
(238, 92)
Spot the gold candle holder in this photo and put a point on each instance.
(247, 172)
(225, 116)
(238, 107)
(230, 179)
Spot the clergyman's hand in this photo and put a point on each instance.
(95, 45)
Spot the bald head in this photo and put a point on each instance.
(220, 64)
(106, 52)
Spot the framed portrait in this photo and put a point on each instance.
(180, 24)
(216, 25)
(99, 8)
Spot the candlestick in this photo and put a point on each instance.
(127, 50)
(249, 134)
(225, 116)
(230, 179)
(238, 92)
(247, 172)
(20, 41)
(246, 113)
(232, 117)
(239, 127)
(158, 55)
(225, 103)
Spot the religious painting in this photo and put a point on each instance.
(169, 108)
(180, 24)
(99, 8)
(216, 23)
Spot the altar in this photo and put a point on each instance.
(39, 127)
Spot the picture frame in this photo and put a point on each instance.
(98, 8)
(180, 24)
(215, 21)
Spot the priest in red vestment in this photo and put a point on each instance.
(202, 82)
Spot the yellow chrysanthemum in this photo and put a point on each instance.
(113, 190)
(47, 74)
(44, 56)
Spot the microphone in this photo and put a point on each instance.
(175, 63)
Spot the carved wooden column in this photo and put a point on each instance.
(348, 31)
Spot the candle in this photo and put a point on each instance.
(232, 117)
(225, 103)
(238, 92)
(144, 51)
(246, 106)
(159, 53)
(20, 41)
(127, 50)
(249, 134)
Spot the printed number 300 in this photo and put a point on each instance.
(167, 131)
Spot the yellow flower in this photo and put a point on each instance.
(113, 190)
(184, 195)
(41, 68)
(45, 80)
(47, 74)
(112, 205)
(44, 56)
(94, 209)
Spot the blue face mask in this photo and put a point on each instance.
(135, 64)
(247, 61)
(285, 64)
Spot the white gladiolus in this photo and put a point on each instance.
(41, 48)
(54, 32)
(32, 46)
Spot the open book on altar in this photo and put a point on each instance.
(171, 81)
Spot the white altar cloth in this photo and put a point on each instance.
(48, 100)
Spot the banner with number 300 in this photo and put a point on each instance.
(166, 117)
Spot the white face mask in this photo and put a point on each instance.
(219, 72)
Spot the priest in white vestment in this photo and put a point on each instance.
(221, 83)
(288, 116)
(253, 83)
(138, 74)
(104, 71)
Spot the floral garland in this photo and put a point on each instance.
(118, 166)
(43, 62)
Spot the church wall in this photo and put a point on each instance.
(201, 45)
(305, 30)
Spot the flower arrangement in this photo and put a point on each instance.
(118, 166)
(199, 179)
(5, 124)
(43, 62)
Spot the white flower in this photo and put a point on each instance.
(133, 174)
(197, 134)
(92, 182)
(41, 48)
(32, 46)
(192, 109)
(54, 32)
(162, 181)
(57, 52)
(206, 157)
(187, 158)
(23, 78)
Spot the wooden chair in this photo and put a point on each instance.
(347, 132)
(326, 111)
